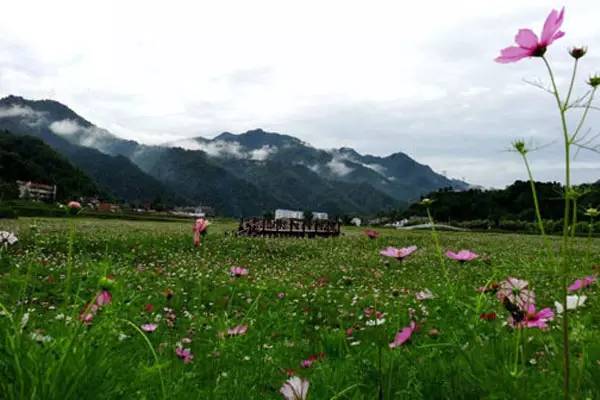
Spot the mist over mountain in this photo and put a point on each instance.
(238, 174)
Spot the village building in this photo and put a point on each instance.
(36, 191)
(291, 214)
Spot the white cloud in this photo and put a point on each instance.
(438, 96)
(220, 148)
(338, 167)
(65, 127)
(18, 111)
(263, 153)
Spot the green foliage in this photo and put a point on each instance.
(327, 285)
(29, 159)
(511, 208)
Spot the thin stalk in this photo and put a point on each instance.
(162, 383)
(538, 214)
(566, 105)
(583, 117)
(515, 369)
(565, 243)
(574, 218)
(67, 294)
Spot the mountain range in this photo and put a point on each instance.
(237, 174)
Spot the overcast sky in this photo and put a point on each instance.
(378, 76)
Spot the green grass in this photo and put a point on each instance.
(327, 284)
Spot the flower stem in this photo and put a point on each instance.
(566, 224)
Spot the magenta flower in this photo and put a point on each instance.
(103, 298)
(238, 271)
(149, 327)
(462, 256)
(516, 291)
(311, 360)
(533, 319)
(295, 388)
(75, 205)
(199, 229)
(528, 43)
(399, 254)
(371, 233)
(237, 330)
(88, 314)
(403, 336)
(582, 283)
(184, 354)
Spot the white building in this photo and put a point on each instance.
(36, 191)
(320, 215)
(288, 214)
(356, 221)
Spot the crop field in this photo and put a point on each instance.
(99, 309)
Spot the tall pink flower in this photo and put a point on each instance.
(238, 271)
(74, 205)
(295, 388)
(238, 330)
(462, 256)
(200, 227)
(371, 233)
(528, 43)
(403, 336)
(533, 318)
(398, 254)
(149, 327)
(517, 292)
(103, 298)
(184, 354)
(582, 283)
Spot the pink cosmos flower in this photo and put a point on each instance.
(74, 205)
(582, 283)
(149, 327)
(533, 319)
(311, 360)
(424, 295)
(403, 336)
(281, 295)
(371, 233)
(516, 291)
(88, 314)
(528, 43)
(295, 388)
(184, 354)
(398, 254)
(462, 256)
(238, 271)
(103, 298)
(199, 229)
(237, 330)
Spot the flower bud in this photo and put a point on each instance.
(578, 52)
(592, 212)
(520, 147)
(594, 81)
(426, 202)
(106, 282)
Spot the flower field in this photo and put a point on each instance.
(117, 309)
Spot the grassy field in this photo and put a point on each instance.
(301, 298)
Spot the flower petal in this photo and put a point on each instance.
(551, 26)
(513, 54)
(526, 39)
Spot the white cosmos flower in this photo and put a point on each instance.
(573, 302)
(8, 238)
(295, 388)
